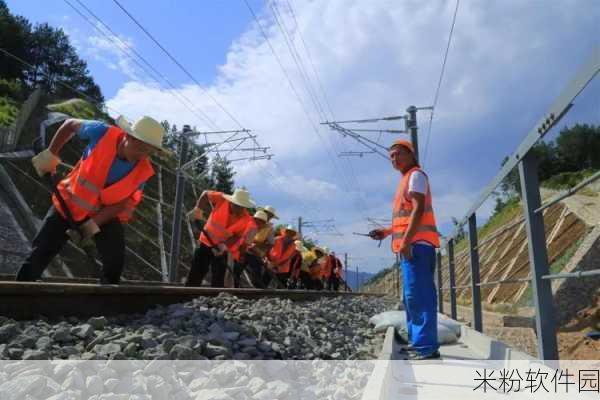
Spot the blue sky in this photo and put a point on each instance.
(508, 61)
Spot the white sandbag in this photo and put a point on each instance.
(446, 335)
(382, 321)
(451, 324)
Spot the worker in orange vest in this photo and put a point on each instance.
(414, 239)
(261, 244)
(101, 192)
(314, 269)
(283, 257)
(336, 274)
(224, 239)
(316, 275)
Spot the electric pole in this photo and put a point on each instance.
(410, 123)
(178, 203)
(300, 226)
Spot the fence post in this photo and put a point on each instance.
(178, 203)
(475, 289)
(452, 282)
(440, 282)
(538, 259)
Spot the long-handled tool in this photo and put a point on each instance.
(214, 246)
(367, 235)
(51, 183)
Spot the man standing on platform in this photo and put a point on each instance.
(414, 239)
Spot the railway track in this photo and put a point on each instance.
(28, 300)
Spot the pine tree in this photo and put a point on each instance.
(221, 175)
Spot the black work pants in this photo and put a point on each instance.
(47, 243)
(256, 267)
(305, 280)
(332, 282)
(204, 259)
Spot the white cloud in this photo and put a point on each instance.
(112, 51)
(375, 58)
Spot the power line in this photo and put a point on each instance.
(437, 90)
(312, 93)
(293, 87)
(172, 58)
(127, 50)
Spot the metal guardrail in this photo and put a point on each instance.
(533, 209)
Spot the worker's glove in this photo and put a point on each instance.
(377, 234)
(196, 214)
(45, 162)
(84, 233)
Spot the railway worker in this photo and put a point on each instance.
(271, 213)
(283, 256)
(414, 240)
(337, 273)
(297, 267)
(227, 233)
(101, 192)
(326, 267)
(308, 257)
(257, 251)
(315, 269)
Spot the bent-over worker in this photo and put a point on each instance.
(101, 192)
(227, 233)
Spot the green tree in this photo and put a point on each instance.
(14, 33)
(578, 148)
(54, 59)
(221, 175)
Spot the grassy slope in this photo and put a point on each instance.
(8, 111)
(513, 210)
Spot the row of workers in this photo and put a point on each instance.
(232, 239)
(103, 190)
(106, 185)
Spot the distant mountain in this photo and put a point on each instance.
(362, 278)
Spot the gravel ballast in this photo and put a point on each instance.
(207, 328)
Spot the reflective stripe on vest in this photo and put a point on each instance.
(426, 226)
(84, 188)
(216, 232)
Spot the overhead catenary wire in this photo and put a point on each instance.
(297, 60)
(172, 58)
(147, 67)
(181, 67)
(439, 84)
(319, 85)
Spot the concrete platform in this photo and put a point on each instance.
(393, 373)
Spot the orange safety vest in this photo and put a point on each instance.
(327, 266)
(281, 255)
(426, 227)
(315, 270)
(223, 228)
(338, 268)
(83, 188)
